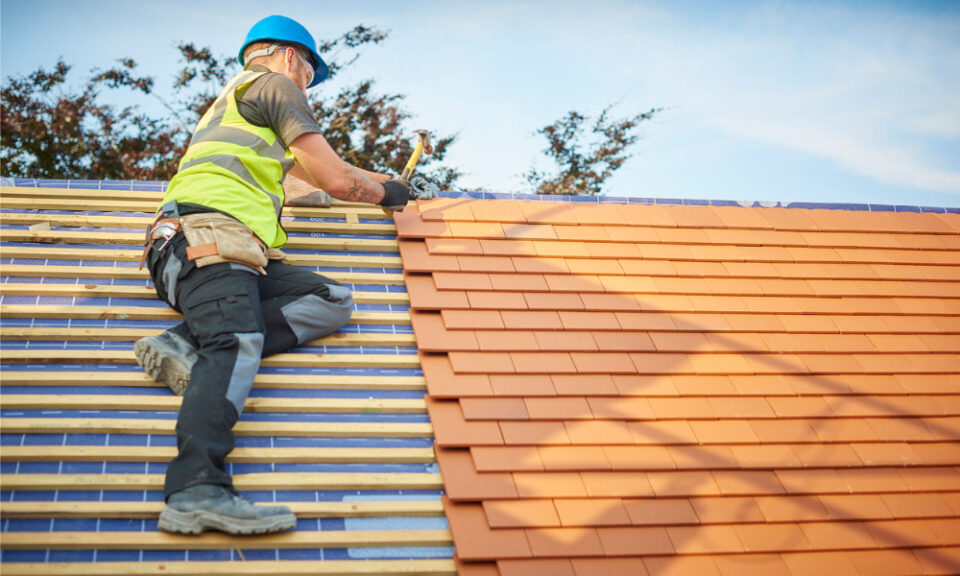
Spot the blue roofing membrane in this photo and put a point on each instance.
(160, 186)
(107, 524)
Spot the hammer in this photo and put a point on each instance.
(423, 145)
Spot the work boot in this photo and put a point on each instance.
(197, 508)
(167, 358)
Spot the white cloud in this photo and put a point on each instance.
(869, 101)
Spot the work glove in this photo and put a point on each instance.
(423, 188)
(396, 194)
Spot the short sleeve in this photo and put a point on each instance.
(274, 101)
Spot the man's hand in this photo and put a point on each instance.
(396, 194)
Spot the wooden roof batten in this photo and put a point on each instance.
(342, 419)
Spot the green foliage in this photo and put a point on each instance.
(583, 167)
(49, 131)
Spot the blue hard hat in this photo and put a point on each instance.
(286, 30)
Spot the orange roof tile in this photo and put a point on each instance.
(691, 389)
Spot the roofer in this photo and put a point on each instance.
(212, 255)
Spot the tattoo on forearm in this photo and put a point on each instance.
(362, 189)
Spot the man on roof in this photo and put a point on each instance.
(213, 255)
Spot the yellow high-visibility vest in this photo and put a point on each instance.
(235, 167)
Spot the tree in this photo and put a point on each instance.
(583, 167)
(48, 131)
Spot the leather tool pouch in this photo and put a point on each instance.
(214, 238)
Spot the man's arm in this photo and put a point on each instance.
(329, 172)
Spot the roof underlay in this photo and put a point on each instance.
(611, 388)
(337, 429)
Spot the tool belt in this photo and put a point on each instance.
(213, 238)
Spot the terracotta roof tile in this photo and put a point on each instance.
(462, 281)
(604, 408)
(529, 319)
(481, 230)
(617, 484)
(544, 567)
(838, 563)
(501, 340)
(609, 567)
(476, 541)
(452, 429)
(771, 537)
(496, 300)
(475, 568)
(433, 336)
(442, 383)
(703, 457)
(494, 409)
(521, 513)
(542, 362)
(565, 542)
(583, 232)
(566, 340)
(460, 479)
(717, 539)
(445, 209)
(558, 408)
(453, 246)
(661, 512)
(681, 566)
(536, 433)
(522, 385)
(888, 562)
(727, 510)
(645, 385)
(481, 362)
(553, 301)
(485, 263)
(498, 211)
(411, 225)
(539, 265)
(603, 363)
(529, 231)
(754, 390)
(573, 458)
(585, 384)
(549, 485)
(592, 512)
(507, 247)
(424, 295)
(752, 565)
(639, 457)
(519, 282)
(506, 458)
(656, 433)
(598, 432)
(687, 483)
(635, 541)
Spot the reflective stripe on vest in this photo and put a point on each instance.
(235, 167)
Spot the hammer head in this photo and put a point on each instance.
(425, 138)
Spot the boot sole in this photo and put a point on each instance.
(198, 521)
(162, 368)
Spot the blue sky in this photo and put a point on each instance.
(779, 101)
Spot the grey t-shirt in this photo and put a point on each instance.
(275, 102)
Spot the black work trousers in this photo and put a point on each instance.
(233, 316)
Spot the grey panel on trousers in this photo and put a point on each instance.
(313, 317)
(245, 368)
(171, 271)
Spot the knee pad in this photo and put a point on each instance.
(313, 316)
